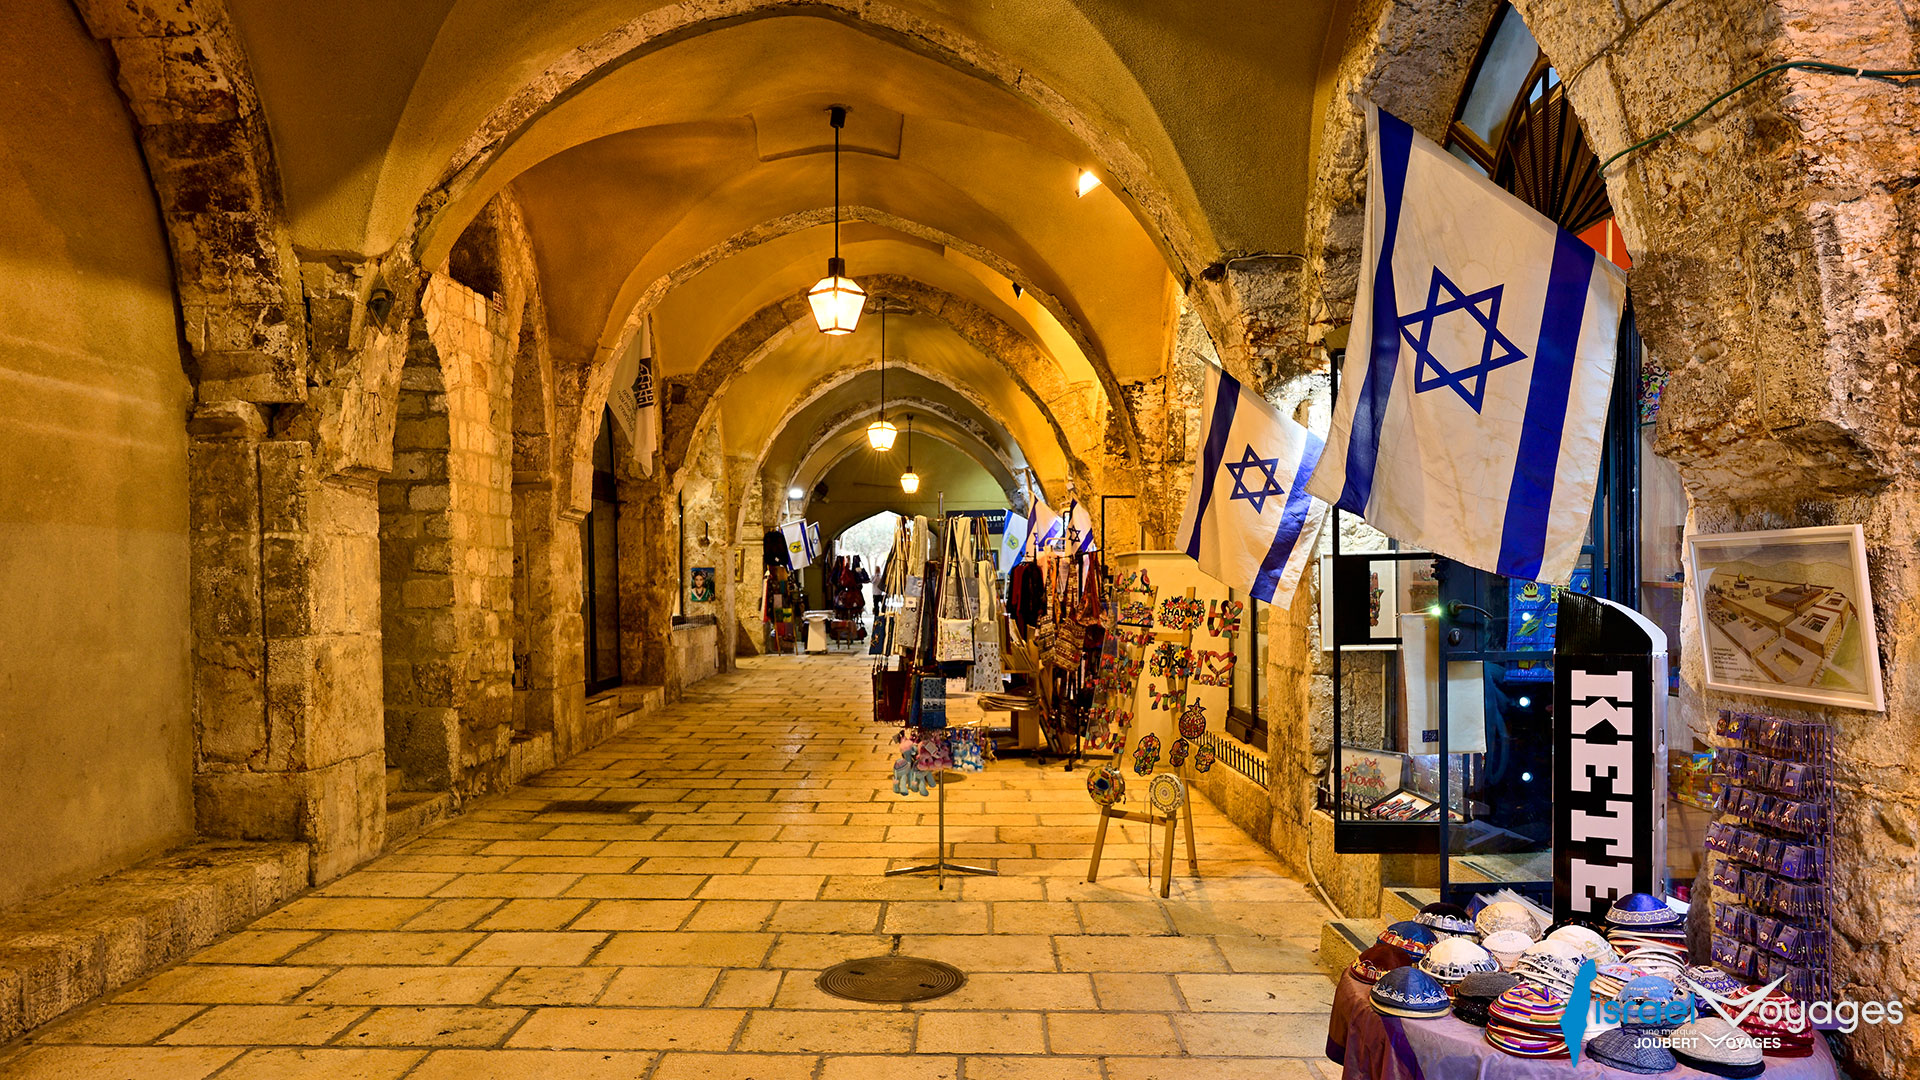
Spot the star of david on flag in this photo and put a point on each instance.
(1473, 399)
(1249, 521)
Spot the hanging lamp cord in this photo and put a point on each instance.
(1889, 75)
(837, 119)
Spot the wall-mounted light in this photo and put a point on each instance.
(796, 494)
(1086, 183)
(837, 299)
(909, 480)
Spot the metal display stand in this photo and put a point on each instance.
(940, 865)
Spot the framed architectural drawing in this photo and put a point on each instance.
(1787, 614)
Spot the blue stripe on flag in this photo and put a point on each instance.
(1523, 539)
(1291, 522)
(1370, 404)
(1225, 401)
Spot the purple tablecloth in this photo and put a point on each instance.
(1370, 1046)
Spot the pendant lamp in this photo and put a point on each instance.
(836, 298)
(881, 432)
(909, 480)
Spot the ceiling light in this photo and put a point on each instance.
(909, 480)
(796, 494)
(1087, 183)
(836, 298)
(880, 433)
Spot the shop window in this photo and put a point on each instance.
(1244, 718)
(1513, 124)
(600, 560)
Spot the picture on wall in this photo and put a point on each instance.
(1383, 597)
(700, 590)
(1786, 613)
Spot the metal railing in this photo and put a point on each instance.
(1239, 757)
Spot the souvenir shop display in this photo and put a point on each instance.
(1772, 838)
(910, 675)
(1163, 673)
(1448, 995)
(782, 600)
(1059, 636)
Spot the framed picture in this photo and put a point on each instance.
(1382, 598)
(700, 590)
(1787, 613)
(1367, 776)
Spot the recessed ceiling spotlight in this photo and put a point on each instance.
(1087, 182)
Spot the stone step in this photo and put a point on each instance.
(1343, 940)
(81, 943)
(410, 813)
(1399, 903)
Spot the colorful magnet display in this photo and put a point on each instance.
(1106, 785)
(1146, 754)
(1136, 613)
(1169, 700)
(1203, 757)
(1177, 753)
(1213, 668)
(1193, 721)
(1167, 793)
(1223, 617)
(1173, 661)
(1182, 613)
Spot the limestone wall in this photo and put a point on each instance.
(95, 703)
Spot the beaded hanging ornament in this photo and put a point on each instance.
(1177, 753)
(1170, 700)
(1146, 754)
(1173, 661)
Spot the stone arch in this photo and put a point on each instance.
(1131, 174)
(820, 455)
(208, 150)
(630, 314)
(1027, 366)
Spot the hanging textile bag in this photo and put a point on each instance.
(930, 710)
(906, 621)
(955, 643)
(987, 675)
(890, 690)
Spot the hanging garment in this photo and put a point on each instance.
(1026, 595)
(774, 549)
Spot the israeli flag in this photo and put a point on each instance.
(1080, 535)
(1473, 400)
(1249, 521)
(803, 543)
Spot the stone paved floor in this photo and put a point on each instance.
(682, 941)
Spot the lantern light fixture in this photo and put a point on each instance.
(881, 433)
(1086, 183)
(836, 299)
(909, 480)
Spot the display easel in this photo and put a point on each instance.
(1183, 638)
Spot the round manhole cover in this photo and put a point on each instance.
(891, 980)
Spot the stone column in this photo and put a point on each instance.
(287, 645)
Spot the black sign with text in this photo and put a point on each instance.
(1609, 760)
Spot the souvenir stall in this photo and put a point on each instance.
(783, 597)
(1610, 975)
(1161, 684)
(845, 578)
(944, 626)
(1055, 603)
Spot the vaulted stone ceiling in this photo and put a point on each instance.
(674, 161)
